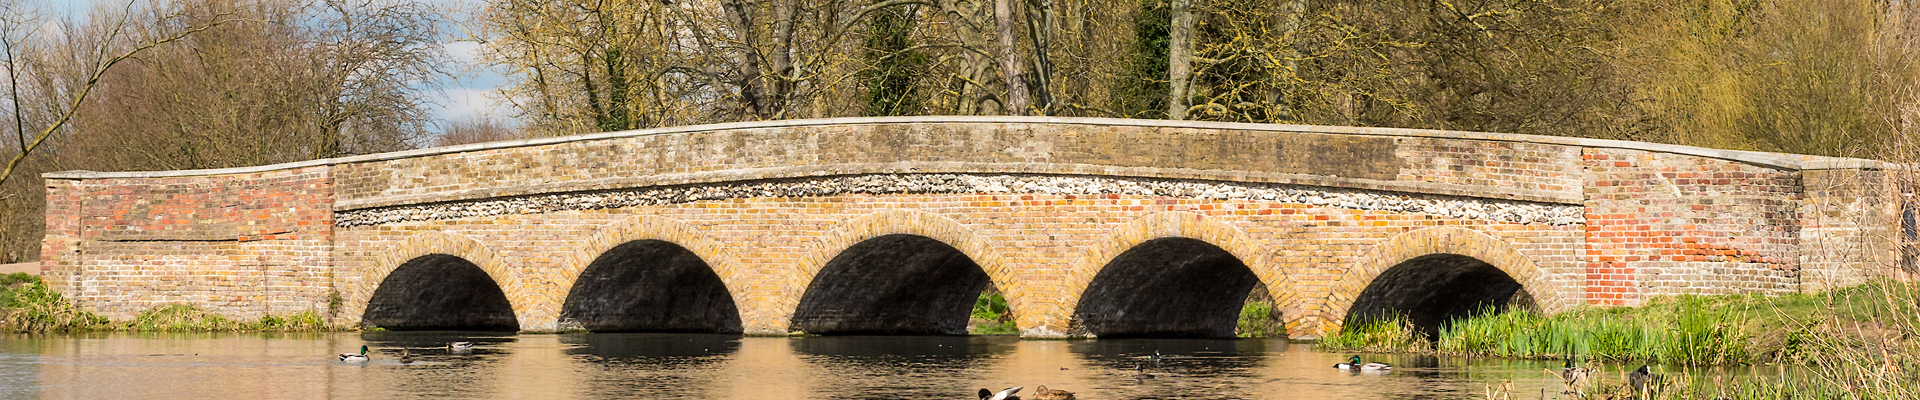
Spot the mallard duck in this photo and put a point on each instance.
(1002, 395)
(356, 358)
(1043, 393)
(406, 357)
(1574, 377)
(1355, 365)
(460, 347)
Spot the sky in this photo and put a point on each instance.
(468, 94)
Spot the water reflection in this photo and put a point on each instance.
(910, 367)
(659, 366)
(700, 366)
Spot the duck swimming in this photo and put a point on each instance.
(1043, 393)
(460, 347)
(406, 357)
(1354, 364)
(356, 358)
(1002, 395)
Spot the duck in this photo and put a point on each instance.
(356, 358)
(1043, 393)
(1002, 395)
(1140, 372)
(1355, 365)
(406, 357)
(1640, 379)
(460, 347)
(1574, 377)
(1155, 358)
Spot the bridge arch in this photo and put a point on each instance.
(1469, 254)
(901, 227)
(657, 235)
(1201, 234)
(444, 251)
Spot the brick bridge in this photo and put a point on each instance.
(1102, 227)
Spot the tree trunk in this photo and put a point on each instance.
(1017, 100)
(784, 12)
(1040, 29)
(1179, 58)
(1291, 12)
(753, 85)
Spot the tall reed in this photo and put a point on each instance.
(1692, 331)
(1380, 335)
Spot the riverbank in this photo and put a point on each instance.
(1698, 330)
(1856, 342)
(27, 305)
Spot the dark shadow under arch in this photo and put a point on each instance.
(1167, 288)
(1434, 289)
(439, 292)
(892, 285)
(650, 286)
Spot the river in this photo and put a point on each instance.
(698, 366)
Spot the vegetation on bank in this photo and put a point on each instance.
(1700, 330)
(1855, 342)
(991, 316)
(1258, 319)
(27, 305)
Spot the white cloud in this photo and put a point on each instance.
(473, 92)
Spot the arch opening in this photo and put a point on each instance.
(1167, 288)
(894, 284)
(439, 292)
(1433, 290)
(650, 286)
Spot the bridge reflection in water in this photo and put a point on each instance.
(707, 366)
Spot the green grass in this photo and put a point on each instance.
(27, 305)
(1382, 335)
(991, 316)
(1689, 329)
(1257, 320)
(1875, 321)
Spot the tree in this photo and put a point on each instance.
(291, 81)
(894, 67)
(475, 130)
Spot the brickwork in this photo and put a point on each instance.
(245, 244)
(1040, 204)
(1666, 224)
(1041, 250)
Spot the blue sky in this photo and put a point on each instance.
(467, 95)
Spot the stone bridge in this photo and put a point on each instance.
(1090, 227)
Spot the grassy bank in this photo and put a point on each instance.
(27, 305)
(991, 316)
(1701, 330)
(1857, 342)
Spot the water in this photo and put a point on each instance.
(692, 366)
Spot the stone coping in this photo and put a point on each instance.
(1774, 160)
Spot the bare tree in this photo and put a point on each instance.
(62, 72)
(292, 81)
(475, 130)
